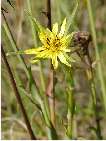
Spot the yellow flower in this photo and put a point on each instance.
(54, 45)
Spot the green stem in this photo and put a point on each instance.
(94, 100)
(71, 110)
(42, 78)
(90, 77)
(99, 66)
(69, 116)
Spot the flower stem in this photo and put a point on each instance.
(90, 76)
(70, 116)
(33, 137)
(52, 73)
(71, 110)
(49, 14)
(53, 114)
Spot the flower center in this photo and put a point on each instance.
(54, 44)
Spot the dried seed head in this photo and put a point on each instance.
(82, 39)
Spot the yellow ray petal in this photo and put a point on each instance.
(43, 37)
(63, 59)
(50, 34)
(54, 61)
(43, 54)
(33, 50)
(63, 27)
(55, 28)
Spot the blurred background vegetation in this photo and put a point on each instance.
(12, 123)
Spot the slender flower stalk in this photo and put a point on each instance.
(90, 76)
(71, 129)
(70, 115)
(33, 137)
(49, 14)
(51, 73)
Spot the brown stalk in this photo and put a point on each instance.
(49, 14)
(50, 90)
(13, 83)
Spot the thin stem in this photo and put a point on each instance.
(52, 103)
(42, 77)
(90, 76)
(71, 110)
(99, 66)
(69, 116)
(18, 96)
(49, 14)
(97, 119)
(52, 73)
(94, 100)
